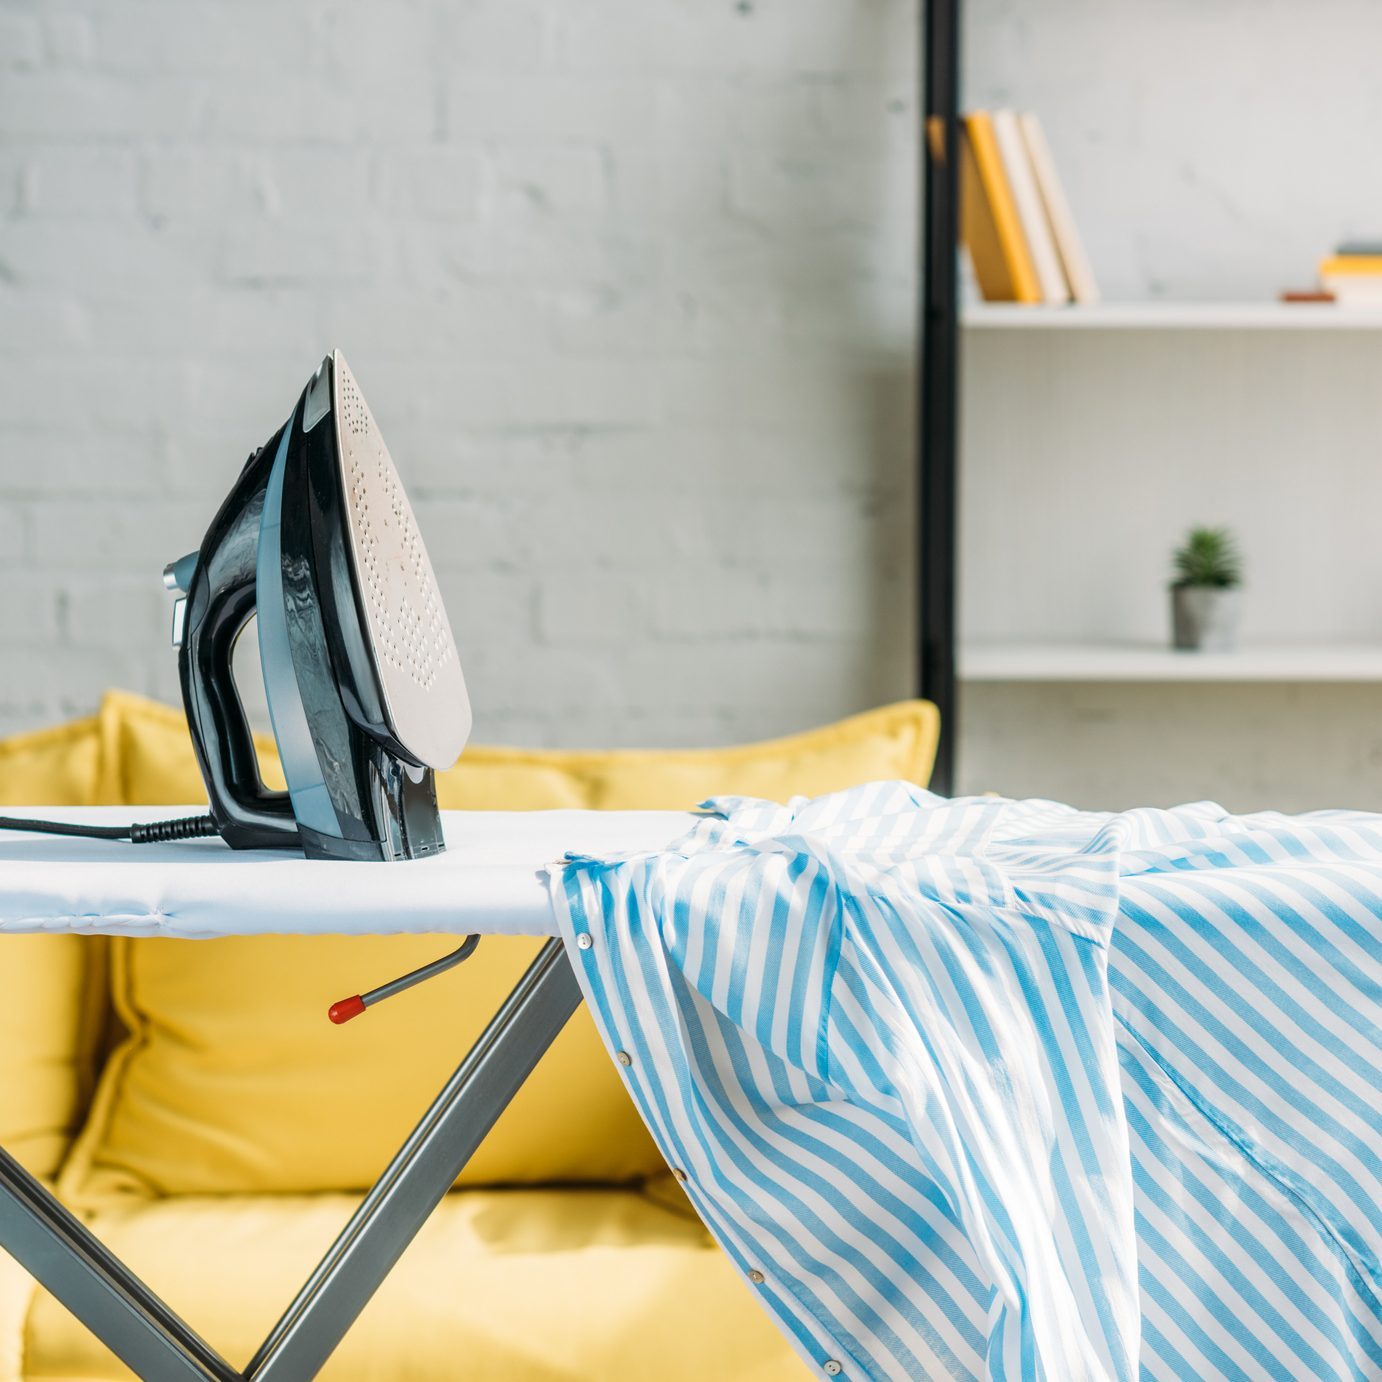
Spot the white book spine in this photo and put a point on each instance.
(1078, 271)
(1035, 227)
(1354, 290)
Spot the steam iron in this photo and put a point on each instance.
(363, 681)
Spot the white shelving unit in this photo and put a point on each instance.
(1092, 439)
(1205, 412)
(1148, 662)
(1172, 316)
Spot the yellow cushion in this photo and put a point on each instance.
(50, 999)
(518, 1285)
(147, 757)
(896, 741)
(51, 767)
(231, 1079)
(156, 765)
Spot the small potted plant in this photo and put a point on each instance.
(1204, 594)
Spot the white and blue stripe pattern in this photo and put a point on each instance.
(1001, 1089)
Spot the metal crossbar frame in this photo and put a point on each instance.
(64, 1256)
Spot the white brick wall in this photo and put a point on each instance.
(629, 284)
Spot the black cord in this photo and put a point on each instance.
(95, 832)
(148, 833)
(188, 828)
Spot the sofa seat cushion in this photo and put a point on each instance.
(518, 1285)
(232, 1081)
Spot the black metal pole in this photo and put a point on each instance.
(937, 423)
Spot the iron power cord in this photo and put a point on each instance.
(145, 833)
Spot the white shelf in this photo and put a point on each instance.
(1172, 316)
(1146, 662)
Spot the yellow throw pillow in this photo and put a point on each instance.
(147, 757)
(51, 1000)
(233, 1081)
(896, 741)
(148, 760)
(51, 767)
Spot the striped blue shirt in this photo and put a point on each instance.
(984, 1088)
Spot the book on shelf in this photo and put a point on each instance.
(1354, 280)
(1015, 221)
(979, 230)
(1074, 261)
(995, 220)
(1031, 213)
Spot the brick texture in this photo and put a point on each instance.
(630, 286)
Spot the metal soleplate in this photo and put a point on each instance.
(419, 669)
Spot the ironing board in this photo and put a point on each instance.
(489, 881)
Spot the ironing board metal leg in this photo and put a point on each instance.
(422, 1172)
(61, 1253)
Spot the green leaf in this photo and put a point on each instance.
(1209, 557)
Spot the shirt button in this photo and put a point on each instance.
(583, 941)
(678, 1174)
(757, 1277)
(832, 1367)
(623, 1058)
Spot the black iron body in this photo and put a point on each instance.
(220, 601)
(384, 800)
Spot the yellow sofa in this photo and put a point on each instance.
(190, 1101)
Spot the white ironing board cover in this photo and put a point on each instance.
(490, 879)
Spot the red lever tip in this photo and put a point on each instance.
(346, 1009)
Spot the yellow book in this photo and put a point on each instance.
(978, 228)
(992, 189)
(1352, 264)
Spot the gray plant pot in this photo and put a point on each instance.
(1204, 618)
